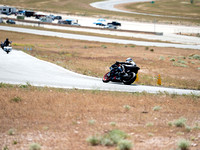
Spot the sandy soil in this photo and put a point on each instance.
(59, 119)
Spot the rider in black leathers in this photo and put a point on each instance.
(6, 43)
(118, 71)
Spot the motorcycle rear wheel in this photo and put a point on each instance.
(130, 80)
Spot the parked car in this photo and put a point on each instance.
(75, 24)
(110, 26)
(115, 23)
(10, 21)
(58, 17)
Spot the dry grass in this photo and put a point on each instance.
(59, 119)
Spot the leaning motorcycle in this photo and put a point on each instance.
(7, 49)
(127, 74)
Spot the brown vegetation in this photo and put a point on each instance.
(60, 119)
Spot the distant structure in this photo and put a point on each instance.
(7, 10)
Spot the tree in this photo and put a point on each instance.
(191, 1)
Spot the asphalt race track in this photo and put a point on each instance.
(18, 67)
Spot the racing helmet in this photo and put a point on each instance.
(128, 60)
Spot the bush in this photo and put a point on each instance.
(11, 131)
(180, 122)
(124, 145)
(94, 140)
(183, 144)
(34, 146)
(16, 99)
(156, 108)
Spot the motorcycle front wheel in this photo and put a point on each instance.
(106, 77)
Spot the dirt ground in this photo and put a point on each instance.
(60, 119)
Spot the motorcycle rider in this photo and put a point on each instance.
(129, 63)
(7, 42)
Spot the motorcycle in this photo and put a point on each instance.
(123, 73)
(7, 49)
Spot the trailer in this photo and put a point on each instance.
(7, 10)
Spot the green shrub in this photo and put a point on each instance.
(91, 122)
(34, 146)
(94, 140)
(112, 138)
(183, 144)
(107, 142)
(156, 108)
(124, 145)
(180, 122)
(172, 59)
(126, 107)
(11, 131)
(162, 58)
(113, 123)
(16, 99)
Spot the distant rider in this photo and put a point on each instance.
(7, 42)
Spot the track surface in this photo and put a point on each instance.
(18, 67)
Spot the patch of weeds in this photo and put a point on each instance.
(15, 142)
(156, 108)
(85, 47)
(150, 124)
(198, 68)
(16, 99)
(34, 146)
(196, 127)
(195, 56)
(107, 142)
(116, 135)
(3, 85)
(45, 128)
(5, 148)
(132, 46)
(111, 138)
(150, 134)
(92, 122)
(170, 124)
(152, 50)
(104, 46)
(162, 58)
(182, 62)
(188, 128)
(183, 144)
(24, 86)
(113, 123)
(172, 59)
(127, 107)
(180, 122)
(179, 65)
(11, 131)
(146, 48)
(173, 95)
(125, 46)
(124, 145)
(94, 140)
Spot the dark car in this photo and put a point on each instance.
(115, 23)
(10, 21)
(58, 17)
